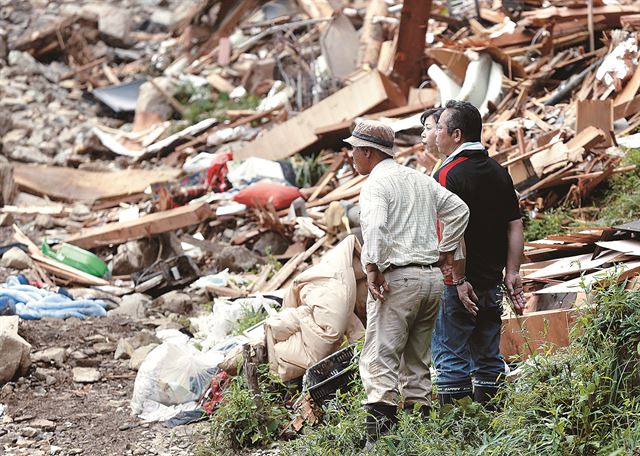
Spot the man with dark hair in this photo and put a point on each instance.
(466, 340)
(399, 208)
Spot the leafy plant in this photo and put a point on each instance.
(622, 199)
(248, 318)
(308, 169)
(551, 222)
(243, 420)
(200, 103)
(582, 400)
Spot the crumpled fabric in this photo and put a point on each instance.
(32, 303)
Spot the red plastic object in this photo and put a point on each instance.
(259, 194)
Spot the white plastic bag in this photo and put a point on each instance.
(172, 374)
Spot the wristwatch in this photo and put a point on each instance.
(459, 282)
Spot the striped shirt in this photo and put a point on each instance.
(398, 211)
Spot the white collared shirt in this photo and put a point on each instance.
(398, 211)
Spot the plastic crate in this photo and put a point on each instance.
(333, 373)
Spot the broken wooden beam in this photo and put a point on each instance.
(297, 133)
(159, 222)
(408, 62)
(524, 336)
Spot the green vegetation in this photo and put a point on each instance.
(551, 222)
(622, 200)
(308, 169)
(248, 318)
(201, 103)
(242, 421)
(583, 400)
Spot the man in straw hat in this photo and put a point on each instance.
(399, 208)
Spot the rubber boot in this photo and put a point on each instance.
(483, 395)
(380, 419)
(424, 410)
(449, 398)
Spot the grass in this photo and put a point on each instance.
(582, 400)
(242, 421)
(201, 103)
(308, 169)
(621, 202)
(248, 318)
(551, 222)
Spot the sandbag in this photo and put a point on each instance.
(318, 312)
(263, 192)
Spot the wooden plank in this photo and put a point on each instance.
(70, 184)
(524, 336)
(571, 265)
(408, 64)
(317, 9)
(328, 175)
(595, 113)
(297, 133)
(289, 268)
(371, 35)
(630, 89)
(627, 108)
(160, 222)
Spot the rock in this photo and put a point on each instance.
(143, 338)
(86, 375)
(6, 220)
(7, 184)
(9, 439)
(55, 355)
(14, 350)
(139, 355)
(237, 258)
(132, 305)
(114, 26)
(271, 243)
(175, 301)
(80, 213)
(4, 49)
(45, 425)
(135, 256)
(124, 350)
(26, 62)
(28, 432)
(6, 124)
(103, 348)
(44, 221)
(27, 154)
(15, 258)
(152, 106)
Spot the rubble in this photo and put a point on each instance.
(136, 130)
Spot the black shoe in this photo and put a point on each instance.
(423, 409)
(380, 419)
(449, 398)
(484, 394)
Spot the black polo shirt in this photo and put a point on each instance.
(487, 188)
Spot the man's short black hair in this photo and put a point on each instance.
(435, 112)
(465, 117)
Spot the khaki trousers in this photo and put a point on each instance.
(397, 345)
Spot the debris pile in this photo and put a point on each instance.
(195, 150)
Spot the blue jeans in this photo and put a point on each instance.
(464, 346)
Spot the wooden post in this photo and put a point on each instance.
(408, 61)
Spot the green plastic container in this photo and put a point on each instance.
(77, 258)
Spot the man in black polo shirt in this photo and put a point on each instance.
(466, 340)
